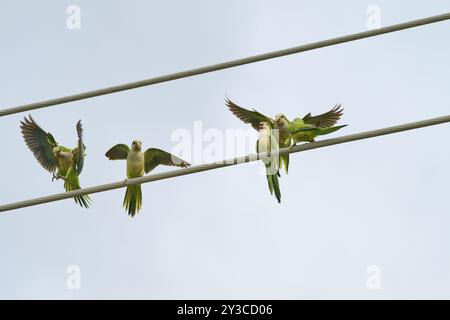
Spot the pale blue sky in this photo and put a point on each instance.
(219, 234)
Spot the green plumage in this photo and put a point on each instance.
(286, 133)
(71, 183)
(284, 161)
(274, 186)
(303, 132)
(322, 124)
(133, 199)
(64, 163)
(139, 163)
(268, 144)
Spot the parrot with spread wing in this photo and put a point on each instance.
(267, 143)
(291, 132)
(139, 162)
(62, 162)
(301, 131)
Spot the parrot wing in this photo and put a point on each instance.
(118, 152)
(325, 120)
(298, 125)
(252, 117)
(80, 150)
(154, 157)
(41, 143)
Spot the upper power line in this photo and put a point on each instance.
(224, 65)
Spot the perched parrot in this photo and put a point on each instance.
(301, 131)
(62, 162)
(268, 143)
(289, 132)
(139, 162)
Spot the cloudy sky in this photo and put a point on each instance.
(371, 212)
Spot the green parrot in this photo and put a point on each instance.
(289, 132)
(268, 143)
(139, 162)
(301, 131)
(62, 162)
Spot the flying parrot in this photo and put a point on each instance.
(62, 162)
(289, 133)
(268, 143)
(139, 162)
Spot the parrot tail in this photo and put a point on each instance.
(323, 131)
(274, 186)
(284, 160)
(133, 199)
(72, 183)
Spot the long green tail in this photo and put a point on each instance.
(284, 160)
(72, 183)
(274, 186)
(133, 199)
(322, 131)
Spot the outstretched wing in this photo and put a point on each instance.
(327, 119)
(80, 150)
(154, 157)
(299, 125)
(118, 152)
(252, 117)
(41, 143)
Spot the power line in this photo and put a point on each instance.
(225, 163)
(224, 65)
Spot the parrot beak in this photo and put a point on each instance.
(136, 145)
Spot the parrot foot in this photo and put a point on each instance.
(57, 177)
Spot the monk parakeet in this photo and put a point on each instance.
(137, 163)
(301, 131)
(62, 162)
(323, 124)
(268, 143)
